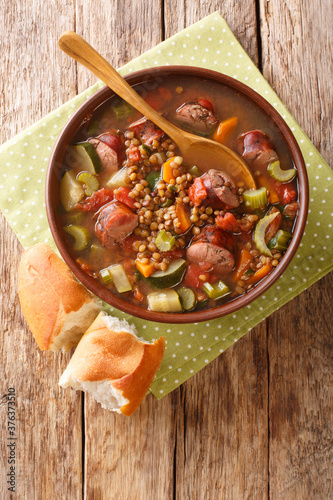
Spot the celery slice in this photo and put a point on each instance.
(164, 241)
(259, 234)
(81, 236)
(86, 156)
(275, 171)
(187, 298)
(280, 240)
(71, 191)
(106, 276)
(90, 181)
(120, 278)
(217, 290)
(164, 301)
(255, 198)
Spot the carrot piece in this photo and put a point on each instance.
(225, 130)
(167, 170)
(145, 269)
(264, 182)
(183, 216)
(243, 265)
(260, 274)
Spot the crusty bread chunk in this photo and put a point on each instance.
(57, 308)
(113, 365)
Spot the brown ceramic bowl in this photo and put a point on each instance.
(52, 196)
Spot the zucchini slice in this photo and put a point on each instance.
(90, 181)
(164, 301)
(187, 298)
(120, 279)
(255, 198)
(118, 179)
(275, 171)
(280, 240)
(81, 236)
(71, 191)
(259, 234)
(171, 277)
(86, 156)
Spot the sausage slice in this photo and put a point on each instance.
(256, 148)
(147, 130)
(108, 156)
(221, 190)
(114, 223)
(197, 117)
(212, 250)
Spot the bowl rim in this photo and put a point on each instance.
(207, 314)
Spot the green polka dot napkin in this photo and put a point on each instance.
(210, 44)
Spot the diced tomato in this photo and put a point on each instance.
(122, 194)
(286, 193)
(228, 222)
(206, 104)
(192, 277)
(197, 192)
(138, 295)
(175, 254)
(134, 154)
(112, 140)
(96, 200)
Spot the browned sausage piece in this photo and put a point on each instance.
(221, 190)
(147, 130)
(212, 250)
(196, 117)
(108, 156)
(256, 148)
(274, 226)
(115, 221)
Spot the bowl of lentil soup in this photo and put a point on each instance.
(163, 240)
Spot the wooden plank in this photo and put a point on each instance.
(35, 79)
(127, 458)
(295, 41)
(222, 442)
(241, 19)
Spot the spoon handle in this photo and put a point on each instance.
(77, 48)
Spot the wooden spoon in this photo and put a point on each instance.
(195, 150)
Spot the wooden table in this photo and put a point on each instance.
(255, 423)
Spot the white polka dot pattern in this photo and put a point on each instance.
(208, 44)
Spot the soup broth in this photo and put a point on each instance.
(171, 236)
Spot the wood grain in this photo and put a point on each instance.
(126, 458)
(296, 39)
(48, 420)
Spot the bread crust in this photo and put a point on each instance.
(48, 292)
(119, 357)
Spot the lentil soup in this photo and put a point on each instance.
(169, 236)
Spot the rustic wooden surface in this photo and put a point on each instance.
(257, 422)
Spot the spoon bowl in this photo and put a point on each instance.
(195, 150)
